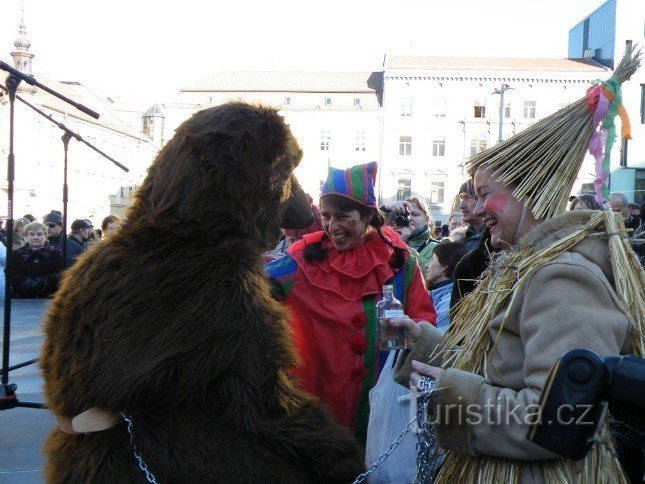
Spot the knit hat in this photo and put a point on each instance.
(542, 162)
(79, 224)
(355, 183)
(54, 217)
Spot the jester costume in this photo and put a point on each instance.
(332, 303)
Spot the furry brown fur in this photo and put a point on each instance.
(172, 322)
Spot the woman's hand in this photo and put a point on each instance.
(412, 329)
(421, 369)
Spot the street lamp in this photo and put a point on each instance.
(501, 91)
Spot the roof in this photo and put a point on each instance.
(153, 110)
(283, 81)
(81, 94)
(493, 64)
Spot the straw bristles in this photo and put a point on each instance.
(465, 345)
(542, 162)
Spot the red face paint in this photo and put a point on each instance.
(495, 203)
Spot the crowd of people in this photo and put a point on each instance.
(331, 274)
(37, 251)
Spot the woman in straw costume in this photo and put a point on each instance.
(562, 281)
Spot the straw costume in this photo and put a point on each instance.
(573, 281)
(332, 303)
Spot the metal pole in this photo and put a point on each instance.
(501, 111)
(12, 85)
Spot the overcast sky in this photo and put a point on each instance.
(149, 49)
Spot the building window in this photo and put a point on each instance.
(439, 107)
(406, 107)
(325, 140)
(437, 191)
(529, 109)
(479, 109)
(404, 188)
(507, 109)
(328, 101)
(438, 146)
(477, 145)
(587, 188)
(359, 141)
(405, 145)
(357, 101)
(287, 101)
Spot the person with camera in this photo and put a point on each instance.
(36, 265)
(413, 223)
(331, 281)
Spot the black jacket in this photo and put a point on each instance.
(470, 267)
(36, 273)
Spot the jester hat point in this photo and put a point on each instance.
(355, 183)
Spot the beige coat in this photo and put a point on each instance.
(568, 303)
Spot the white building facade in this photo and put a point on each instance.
(336, 117)
(440, 111)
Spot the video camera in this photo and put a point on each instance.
(577, 393)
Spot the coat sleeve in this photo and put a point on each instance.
(280, 275)
(418, 304)
(565, 305)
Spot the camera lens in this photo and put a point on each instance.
(401, 221)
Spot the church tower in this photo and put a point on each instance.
(21, 56)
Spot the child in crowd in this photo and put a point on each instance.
(439, 278)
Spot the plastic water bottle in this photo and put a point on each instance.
(389, 337)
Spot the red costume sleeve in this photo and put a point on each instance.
(418, 303)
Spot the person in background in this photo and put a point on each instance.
(418, 234)
(442, 233)
(618, 203)
(110, 225)
(477, 240)
(439, 278)
(476, 227)
(19, 238)
(585, 202)
(81, 230)
(331, 281)
(289, 236)
(456, 220)
(36, 265)
(458, 234)
(54, 223)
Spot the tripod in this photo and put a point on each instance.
(8, 397)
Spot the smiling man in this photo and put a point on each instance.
(467, 203)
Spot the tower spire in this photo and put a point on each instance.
(22, 56)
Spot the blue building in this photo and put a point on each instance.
(602, 36)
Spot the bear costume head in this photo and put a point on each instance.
(171, 323)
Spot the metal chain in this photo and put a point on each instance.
(426, 443)
(142, 465)
(370, 470)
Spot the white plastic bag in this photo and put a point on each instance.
(389, 414)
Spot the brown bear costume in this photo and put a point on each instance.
(171, 322)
